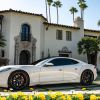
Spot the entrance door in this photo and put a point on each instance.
(24, 58)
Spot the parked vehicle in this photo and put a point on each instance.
(47, 71)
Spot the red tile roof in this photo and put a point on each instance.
(22, 12)
(53, 24)
(60, 25)
(90, 30)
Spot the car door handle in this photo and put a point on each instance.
(60, 69)
(75, 68)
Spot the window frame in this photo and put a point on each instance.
(68, 35)
(25, 32)
(2, 53)
(59, 34)
(64, 64)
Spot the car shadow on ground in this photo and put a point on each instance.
(56, 87)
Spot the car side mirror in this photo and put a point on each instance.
(48, 65)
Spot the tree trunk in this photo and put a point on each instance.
(81, 13)
(73, 17)
(49, 15)
(92, 58)
(89, 58)
(95, 59)
(46, 9)
(57, 16)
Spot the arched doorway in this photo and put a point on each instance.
(24, 57)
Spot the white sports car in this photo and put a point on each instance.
(47, 71)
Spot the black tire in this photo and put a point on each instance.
(18, 80)
(87, 77)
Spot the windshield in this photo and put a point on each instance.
(39, 62)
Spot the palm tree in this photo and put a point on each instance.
(57, 4)
(73, 10)
(82, 6)
(49, 4)
(46, 9)
(98, 23)
(2, 41)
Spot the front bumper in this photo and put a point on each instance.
(4, 79)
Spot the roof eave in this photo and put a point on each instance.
(22, 12)
(59, 25)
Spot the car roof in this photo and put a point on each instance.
(47, 58)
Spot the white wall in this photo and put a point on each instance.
(55, 45)
(6, 28)
(12, 28)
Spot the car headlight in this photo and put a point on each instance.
(4, 70)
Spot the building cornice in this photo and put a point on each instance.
(60, 25)
(22, 12)
(90, 30)
(72, 27)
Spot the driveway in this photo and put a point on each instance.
(59, 87)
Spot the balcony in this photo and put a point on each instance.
(26, 37)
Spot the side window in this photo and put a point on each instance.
(63, 61)
(59, 35)
(2, 53)
(71, 62)
(68, 36)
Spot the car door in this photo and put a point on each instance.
(52, 73)
(71, 69)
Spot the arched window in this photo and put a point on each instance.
(25, 34)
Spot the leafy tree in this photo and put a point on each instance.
(82, 4)
(73, 10)
(89, 46)
(49, 4)
(57, 4)
(2, 41)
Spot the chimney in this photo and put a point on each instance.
(79, 22)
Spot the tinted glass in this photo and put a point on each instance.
(63, 61)
(38, 61)
(59, 35)
(25, 35)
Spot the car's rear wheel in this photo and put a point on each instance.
(18, 80)
(87, 77)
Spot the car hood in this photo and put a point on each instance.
(15, 66)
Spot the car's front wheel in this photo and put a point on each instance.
(18, 80)
(87, 77)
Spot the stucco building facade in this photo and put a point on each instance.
(30, 37)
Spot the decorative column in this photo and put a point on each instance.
(16, 54)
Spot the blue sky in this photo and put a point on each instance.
(91, 16)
